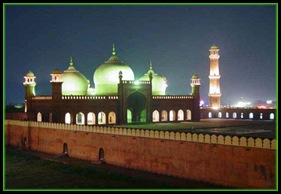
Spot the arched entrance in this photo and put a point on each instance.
(101, 154)
(137, 105)
(65, 148)
(39, 117)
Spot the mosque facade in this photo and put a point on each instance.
(118, 98)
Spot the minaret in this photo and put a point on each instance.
(214, 89)
(56, 81)
(195, 92)
(29, 83)
(195, 86)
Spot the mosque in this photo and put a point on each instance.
(116, 99)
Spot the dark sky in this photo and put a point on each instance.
(175, 38)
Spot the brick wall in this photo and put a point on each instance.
(238, 166)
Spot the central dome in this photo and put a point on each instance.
(106, 76)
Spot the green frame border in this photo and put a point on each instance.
(134, 4)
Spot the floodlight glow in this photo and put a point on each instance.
(242, 104)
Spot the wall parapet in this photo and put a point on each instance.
(135, 82)
(42, 98)
(156, 134)
(172, 97)
(78, 97)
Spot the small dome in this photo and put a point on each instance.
(106, 76)
(56, 71)
(195, 76)
(159, 84)
(74, 82)
(30, 74)
(214, 47)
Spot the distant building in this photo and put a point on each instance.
(116, 99)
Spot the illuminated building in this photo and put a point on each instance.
(214, 88)
(116, 99)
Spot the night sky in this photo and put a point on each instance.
(175, 38)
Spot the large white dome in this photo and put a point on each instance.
(106, 76)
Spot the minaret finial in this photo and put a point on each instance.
(113, 50)
(71, 62)
(150, 66)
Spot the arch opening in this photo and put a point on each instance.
(39, 117)
(137, 105)
(101, 154)
(155, 116)
(112, 118)
(65, 148)
(67, 118)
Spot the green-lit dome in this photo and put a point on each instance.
(195, 76)
(74, 83)
(106, 76)
(159, 84)
(214, 47)
(29, 74)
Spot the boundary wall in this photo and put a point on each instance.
(229, 161)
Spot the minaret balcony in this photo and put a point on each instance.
(214, 95)
(214, 76)
(214, 56)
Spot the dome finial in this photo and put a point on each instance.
(71, 63)
(113, 50)
(150, 66)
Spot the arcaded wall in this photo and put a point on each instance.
(250, 166)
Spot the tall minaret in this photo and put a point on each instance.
(214, 89)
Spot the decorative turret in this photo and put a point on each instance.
(120, 77)
(56, 75)
(56, 82)
(195, 88)
(29, 83)
(195, 85)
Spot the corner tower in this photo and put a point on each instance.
(56, 82)
(57, 108)
(29, 84)
(195, 91)
(195, 86)
(214, 89)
